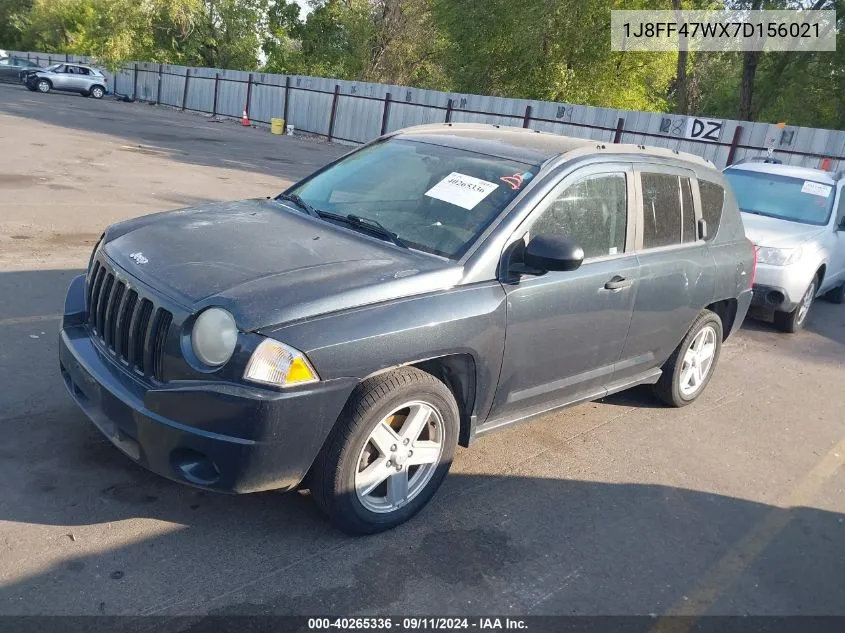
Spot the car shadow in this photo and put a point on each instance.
(181, 136)
(84, 530)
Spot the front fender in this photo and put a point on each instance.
(363, 341)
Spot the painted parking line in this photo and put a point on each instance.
(721, 576)
(30, 319)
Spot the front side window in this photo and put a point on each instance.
(661, 210)
(434, 198)
(782, 197)
(593, 212)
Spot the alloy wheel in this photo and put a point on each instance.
(399, 457)
(698, 361)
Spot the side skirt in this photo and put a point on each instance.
(494, 424)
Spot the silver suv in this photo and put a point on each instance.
(796, 218)
(85, 80)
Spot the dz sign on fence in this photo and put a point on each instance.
(704, 129)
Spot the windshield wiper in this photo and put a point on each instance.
(292, 197)
(376, 227)
(368, 224)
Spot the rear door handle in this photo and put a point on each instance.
(617, 283)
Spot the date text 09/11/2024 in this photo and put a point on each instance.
(417, 623)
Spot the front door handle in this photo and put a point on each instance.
(617, 283)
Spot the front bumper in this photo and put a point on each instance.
(262, 439)
(781, 287)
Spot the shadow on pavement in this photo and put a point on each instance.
(83, 530)
(182, 136)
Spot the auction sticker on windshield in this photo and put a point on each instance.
(461, 190)
(817, 189)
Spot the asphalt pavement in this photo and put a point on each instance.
(733, 505)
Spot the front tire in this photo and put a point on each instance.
(794, 321)
(43, 86)
(389, 452)
(688, 371)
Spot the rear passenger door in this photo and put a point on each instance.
(676, 268)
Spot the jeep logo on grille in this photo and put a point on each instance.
(139, 257)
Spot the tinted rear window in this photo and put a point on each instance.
(661, 210)
(712, 201)
(689, 232)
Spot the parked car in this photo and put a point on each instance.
(85, 80)
(796, 218)
(435, 285)
(12, 68)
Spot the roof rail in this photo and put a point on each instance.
(760, 159)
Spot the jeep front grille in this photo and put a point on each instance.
(130, 326)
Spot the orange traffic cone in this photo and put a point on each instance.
(245, 120)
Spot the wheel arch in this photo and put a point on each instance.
(726, 310)
(459, 373)
(820, 273)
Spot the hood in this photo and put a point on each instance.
(266, 264)
(772, 232)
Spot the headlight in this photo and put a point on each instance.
(274, 363)
(778, 256)
(214, 336)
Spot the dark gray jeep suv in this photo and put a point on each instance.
(437, 284)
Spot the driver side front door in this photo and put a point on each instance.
(566, 330)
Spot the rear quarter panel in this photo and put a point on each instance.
(733, 257)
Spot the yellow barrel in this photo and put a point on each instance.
(277, 126)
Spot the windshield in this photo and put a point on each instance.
(54, 67)
(433, 198)
(783, 197)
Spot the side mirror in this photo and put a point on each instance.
(553, 252)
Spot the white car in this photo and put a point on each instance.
(796, 218)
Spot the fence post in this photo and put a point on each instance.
(135, 84)
(617, 136)
(67, 58)
(449, 111)
(734, 144)
(27, 57)
(216, 85)
(248, 93)
(385, 114)
(526, 121)
(185, 89)
(287, 98)
(334, 111)
(158, 87)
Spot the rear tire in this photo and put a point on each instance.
(794, 321)
(837, 295)
(688, 371)
(366, 477)
(43, 86)
(97, 92)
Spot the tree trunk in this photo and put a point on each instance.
(749, 72)
(681, 92)
(746, 87)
